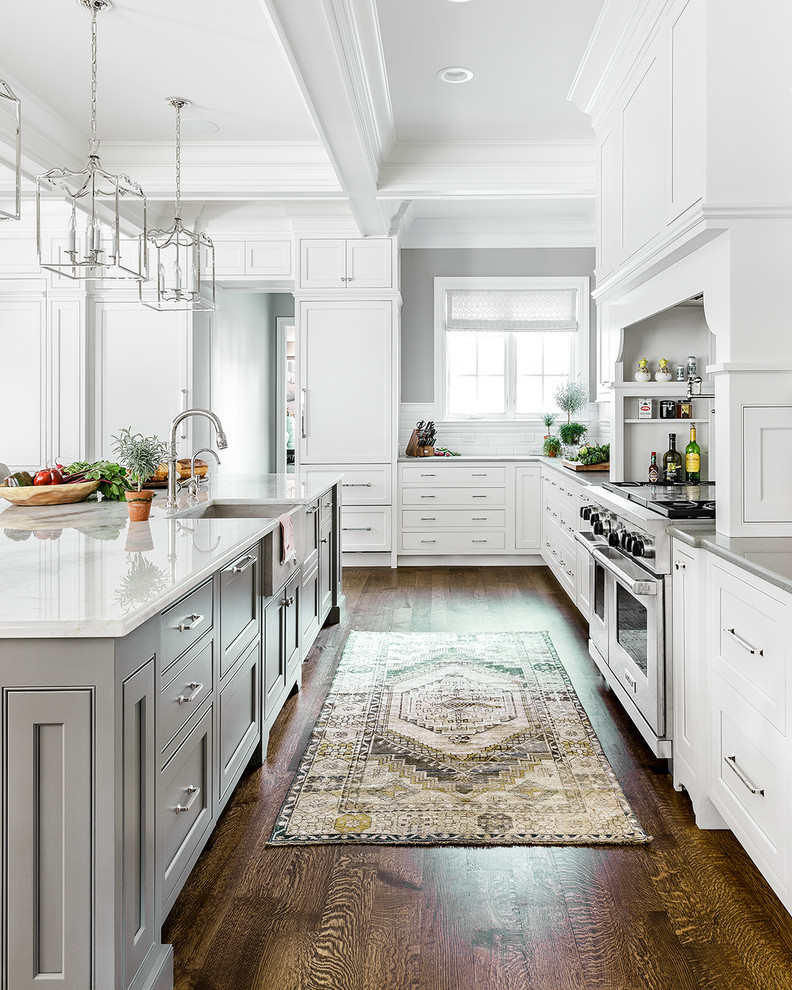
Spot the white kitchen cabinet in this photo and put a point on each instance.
(23, 342)
(346, 263)
(691, 736)
(527, 511)
(686, 138)
(142, 372)
(346, 382)
(264, 258)
(562, 493)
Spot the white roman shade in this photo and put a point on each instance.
(512, 309)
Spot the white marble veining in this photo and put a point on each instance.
(85, 570)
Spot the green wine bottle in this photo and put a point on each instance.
(693, 458)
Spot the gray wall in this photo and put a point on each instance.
(420, 266)
(244, 375)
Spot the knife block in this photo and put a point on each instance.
(413, 450)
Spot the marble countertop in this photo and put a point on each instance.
(85, 570)
(768, 557)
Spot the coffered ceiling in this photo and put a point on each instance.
(324, 108)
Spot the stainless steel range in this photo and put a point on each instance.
(629, 554)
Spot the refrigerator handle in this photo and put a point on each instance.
(303, 404)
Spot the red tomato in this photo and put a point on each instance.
(56, 478)
(43, 477)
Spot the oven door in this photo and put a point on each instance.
(635, 609)
(598, 628)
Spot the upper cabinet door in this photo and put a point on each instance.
(23, 342)
(323, 264)
(369, 264)
(346, 378)
(687, 107)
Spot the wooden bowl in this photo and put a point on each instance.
(50, 494)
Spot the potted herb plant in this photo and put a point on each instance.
(548, 419)
(141, 456)
(551, 446)
(571, 396)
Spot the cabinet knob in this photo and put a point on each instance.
(679, 565)
(287, 601)
(324, 539)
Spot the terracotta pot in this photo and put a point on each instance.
(139, 504)
(139, 538)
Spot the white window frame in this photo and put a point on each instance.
(580, 351)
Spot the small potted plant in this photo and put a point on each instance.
(141, 456)
(551, 446)
(571, 395)
(548, 419)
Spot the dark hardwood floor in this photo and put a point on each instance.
(688, 911)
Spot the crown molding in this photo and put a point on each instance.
(228, 170)
(550, 180)
(48, 139)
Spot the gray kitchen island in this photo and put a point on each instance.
(142, 668)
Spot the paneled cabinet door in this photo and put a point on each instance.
(323, 263)
(338, 263)
(527, 509)
(346, 381)
(49, 811)
(140, 354)
(369, 264)
(23, 346)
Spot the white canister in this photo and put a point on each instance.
(691, 366)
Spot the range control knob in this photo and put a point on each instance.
(614, 539)
(627, 541)
(597, 527)
(585, 511)
(638, 547)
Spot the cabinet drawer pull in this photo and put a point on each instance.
(196, 687)
(356, 529)
(678, 565)
(428, 541)
(312, 509)
(478, 518)
(239, 568)
(288, 601)
(352, 484)
(329, 505)
(428, 496)
(745, 645)
(481, 541)
(732, 762)
(479, 496)
(428, 518)
(193, 792)
(324, 539)
(194, 620)
(478, 474)
(428, 475)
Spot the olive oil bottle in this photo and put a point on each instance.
(693, 459)
(672, 462)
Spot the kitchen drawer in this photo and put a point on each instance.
(749, 782)
(186, 809)
(362, 484)
(453, 496)
(185, 622)
(562, 564)
(431, 519)
(749, 637)
(451, 474)
(275, 572)
(239, 606)
(454, 542)
(366, 528)
(185, 685)
(326, 508)
(238, 719)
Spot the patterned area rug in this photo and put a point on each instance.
(456, 739)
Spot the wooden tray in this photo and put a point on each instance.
(50, 494)
(575, 466)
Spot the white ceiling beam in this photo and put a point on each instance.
(345, 90)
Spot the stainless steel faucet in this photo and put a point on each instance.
(192, 481)
(220, 440)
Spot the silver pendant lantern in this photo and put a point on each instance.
(182, 260)
(91, 224)
(11, 171)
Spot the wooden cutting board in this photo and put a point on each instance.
(575, 466)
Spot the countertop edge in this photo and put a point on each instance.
(708, 540)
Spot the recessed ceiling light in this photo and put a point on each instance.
(455, 73)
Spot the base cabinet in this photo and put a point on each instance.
(282, 658)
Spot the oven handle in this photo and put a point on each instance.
(637, 586)
(585, 540)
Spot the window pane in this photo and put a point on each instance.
(529, 353)
(557, 353)
(462, 353)
(491, 395)
(551, 383)
(462, 396)
(491, 347)
(529, 395)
